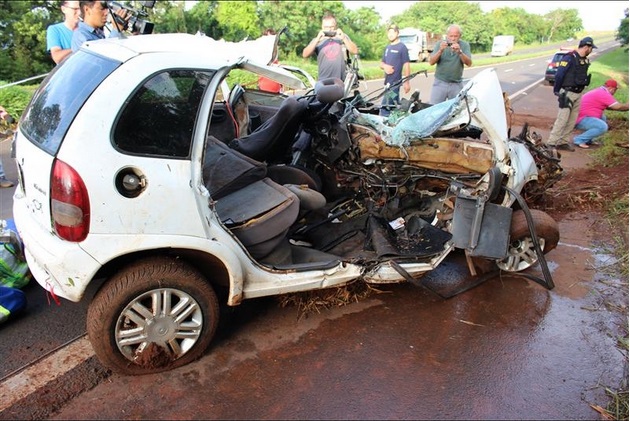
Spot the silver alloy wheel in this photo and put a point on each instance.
(166, 317)
(521, 255)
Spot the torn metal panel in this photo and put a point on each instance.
(450, 155)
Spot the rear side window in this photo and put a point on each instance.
(60, 97)
(160, 117)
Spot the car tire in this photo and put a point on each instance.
(521, 251)
(154, 315)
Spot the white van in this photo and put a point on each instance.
(502, 45)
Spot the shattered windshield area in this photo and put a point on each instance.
(453, 113)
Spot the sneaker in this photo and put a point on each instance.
(4, 183)
(565, 147)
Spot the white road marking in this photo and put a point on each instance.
(38, 375)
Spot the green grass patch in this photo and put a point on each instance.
(15, 98)
(613, 65)
(614, 151)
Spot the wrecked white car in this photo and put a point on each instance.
(139, 170)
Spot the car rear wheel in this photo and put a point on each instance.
(521, 251)
(152, 316)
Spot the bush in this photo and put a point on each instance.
(14, 99)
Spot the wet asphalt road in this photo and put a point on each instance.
(508, 349)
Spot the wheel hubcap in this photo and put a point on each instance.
(166, 317)
(521, 255)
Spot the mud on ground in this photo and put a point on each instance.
(585, 186)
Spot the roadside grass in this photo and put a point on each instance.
(14, 99)
(614, 151)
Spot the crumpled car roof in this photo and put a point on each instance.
(253, 55)
(480, 103)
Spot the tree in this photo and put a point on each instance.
(562, 24)
(526, 28)
(237, 19)
(23, 38)
(202, 18)
(436, 16)
(622, 31)
(367, 32)
(170, 16)
(23, 25)
(300, 31)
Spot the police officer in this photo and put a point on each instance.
(571, 79)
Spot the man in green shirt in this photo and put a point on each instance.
(450, 56)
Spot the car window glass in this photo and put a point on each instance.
(159, 118)
(61, 96)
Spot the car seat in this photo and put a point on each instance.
(259, 215)
(273, 139)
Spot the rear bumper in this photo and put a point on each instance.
(60, 267)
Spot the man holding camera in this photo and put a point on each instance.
(94, 16)
(450, 55)
(329, 45)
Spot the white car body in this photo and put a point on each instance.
(139, 204)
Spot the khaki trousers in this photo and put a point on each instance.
(565, 121)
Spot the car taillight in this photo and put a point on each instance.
(69, 203)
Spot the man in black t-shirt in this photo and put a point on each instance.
(394, 63)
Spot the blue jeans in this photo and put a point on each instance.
(592, 128)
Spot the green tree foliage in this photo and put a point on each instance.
(238, 19)
(367, 32)
(479, 28)
(562, 24)
(202, 18)
(303, 20)
(30, 35)
(622, 31)
(436, 16)
(23, 37)
(23, 25)
(526, 28)
(170, 17)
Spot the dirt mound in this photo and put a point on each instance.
(536, 122)
(587, 189)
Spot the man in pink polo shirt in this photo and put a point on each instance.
(591, 116)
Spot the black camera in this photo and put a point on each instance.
(449, 43)
(330, 34)
(136, 23)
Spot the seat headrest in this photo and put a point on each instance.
(329, 90)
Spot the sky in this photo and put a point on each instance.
(596, 16)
